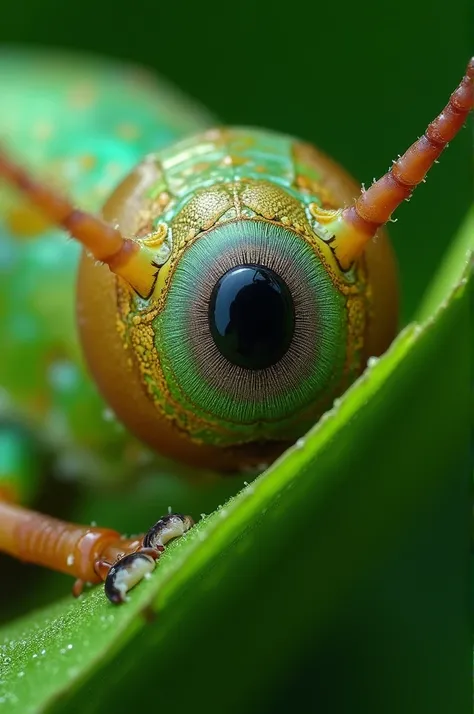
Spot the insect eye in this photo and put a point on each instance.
(252, 333)
(252, 316)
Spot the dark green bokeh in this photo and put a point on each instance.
(359, 79)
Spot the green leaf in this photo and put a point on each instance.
(459, 257)
(263, 577)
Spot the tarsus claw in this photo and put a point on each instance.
(126, 573)
(171, 526)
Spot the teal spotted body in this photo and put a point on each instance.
(82, 125)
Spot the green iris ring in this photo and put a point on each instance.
(241, 401)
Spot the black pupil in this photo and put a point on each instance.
(252, 316)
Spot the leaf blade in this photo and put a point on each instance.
(223, 555)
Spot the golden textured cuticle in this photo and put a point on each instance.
(142, 340)
(315, 188)
(161, 208)
(322, 215)
(203, 212)
(151, 213)
(157, 237)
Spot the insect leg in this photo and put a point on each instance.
(39, 539)
(66, 547)
(88, 553)
(128, 571)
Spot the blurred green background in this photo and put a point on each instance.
(359, 79)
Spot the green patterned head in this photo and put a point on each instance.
(251, 327)
(250, 278)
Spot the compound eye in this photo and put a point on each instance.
(252, 334)
(252, 316)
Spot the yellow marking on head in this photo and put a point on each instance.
(156, 239)
(310, 185)
(160, 288)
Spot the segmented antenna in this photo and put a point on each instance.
(128, 258)
(351, 228)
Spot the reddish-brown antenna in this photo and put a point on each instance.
(128, 258)
(351, 228)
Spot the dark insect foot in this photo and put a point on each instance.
(171, 526)
(132, 568)
(128, 572)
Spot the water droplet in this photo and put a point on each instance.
(372, 361)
